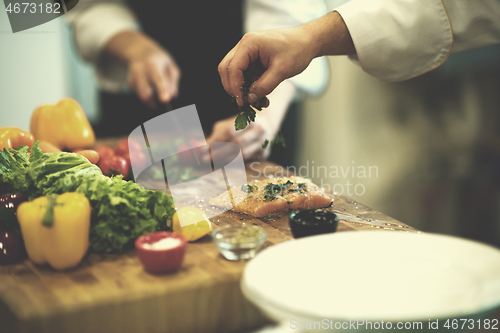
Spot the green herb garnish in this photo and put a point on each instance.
(247, 115)
(248, 188)
(247, 112)
(278, 139)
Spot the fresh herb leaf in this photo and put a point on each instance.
(269, 198)
(248, 188)
(279, 139)
(241, 121)
(247, 115)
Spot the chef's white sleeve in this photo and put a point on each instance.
(475, 23)
(276, 14)
(399, 39)
(94, 23)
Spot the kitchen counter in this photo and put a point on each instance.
(112, 293)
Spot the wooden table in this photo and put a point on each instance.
(112, 293)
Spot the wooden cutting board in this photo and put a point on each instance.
(112, 293)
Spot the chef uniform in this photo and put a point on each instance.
(399, 39)
(197, 33)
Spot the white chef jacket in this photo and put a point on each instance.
(394, 39)
(399, 39)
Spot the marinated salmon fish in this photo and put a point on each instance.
(273, 195)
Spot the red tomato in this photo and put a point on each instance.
(114, 165)
(138, 157)
(104, 152)
(127, 147)
(122, 147)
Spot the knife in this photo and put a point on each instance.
(169, 108)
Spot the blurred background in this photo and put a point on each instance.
(432, 143)
(434, 140)
(39, 66)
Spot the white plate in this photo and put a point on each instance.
(390, 276)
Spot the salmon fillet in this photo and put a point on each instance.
(273, 195)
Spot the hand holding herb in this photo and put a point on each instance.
(247, 115)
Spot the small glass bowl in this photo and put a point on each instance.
(240, 242)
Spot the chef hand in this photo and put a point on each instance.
(266, 126)
(266, 58)
(151, 69)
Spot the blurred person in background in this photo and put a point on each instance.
(169, 52)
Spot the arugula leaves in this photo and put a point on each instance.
(278, 139)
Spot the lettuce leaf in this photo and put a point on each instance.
(13, 169)
(121, 210)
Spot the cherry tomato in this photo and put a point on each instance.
(114, 165)
(139, 158)
(126, 146)
(131, 149)
(104, 152)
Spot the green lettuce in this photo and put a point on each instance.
(121, 210)
(13, 169)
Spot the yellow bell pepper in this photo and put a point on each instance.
(196, 223)
(63, 124)
(55, 229)
(13, 137)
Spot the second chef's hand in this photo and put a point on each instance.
(150, 67)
